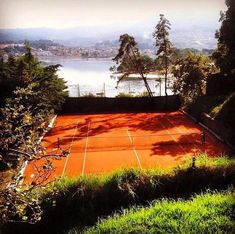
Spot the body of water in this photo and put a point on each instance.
(92, 77)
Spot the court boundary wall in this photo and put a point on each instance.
(78, 105)
(214, 127)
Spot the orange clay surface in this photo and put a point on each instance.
(104, 142)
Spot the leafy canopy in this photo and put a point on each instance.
(130, 60)
(32, 94)
(191, 72)
(225, 52)
(25, 70)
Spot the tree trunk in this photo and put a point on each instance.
(142, 75)
(166, 71)
(166, 74)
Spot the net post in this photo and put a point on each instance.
(193, 162)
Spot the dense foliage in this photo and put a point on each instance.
(27, 70)
(148, 64)
(30, 95)
(191, 72)
(225, 52)
(129, 60)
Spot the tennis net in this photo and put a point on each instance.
(117, 143)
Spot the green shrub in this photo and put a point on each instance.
(143, 94)
(88, 95)
(123, 95)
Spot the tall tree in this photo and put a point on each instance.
(27, 70)
(24, 120)
(163, 44)
(129, 55)
(225, 52)
(33, 93)
(191, 71)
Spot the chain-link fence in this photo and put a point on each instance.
(125, 88)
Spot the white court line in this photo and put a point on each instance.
(136, 154)
(182, 133)
(70, 147)
(85, 150)
(172, 136)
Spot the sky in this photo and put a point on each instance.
(75, 13)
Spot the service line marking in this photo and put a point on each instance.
(85, 150)
(70, 147)
(172, 136)
(136, 154)
(179, 131)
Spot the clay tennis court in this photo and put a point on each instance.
(104, 142)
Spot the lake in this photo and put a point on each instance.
(92, 77)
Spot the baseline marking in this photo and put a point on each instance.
(70, 147)
(136, 154)
(85, 150)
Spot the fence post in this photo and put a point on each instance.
(160, 87)
(78, 91)
(104, 90)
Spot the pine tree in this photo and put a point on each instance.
(163, 44)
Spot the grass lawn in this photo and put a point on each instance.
(207, 213)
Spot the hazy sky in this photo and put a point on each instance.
(72, 13)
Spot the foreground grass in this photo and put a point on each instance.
(203, 160)
(208, 213)
(81, 201)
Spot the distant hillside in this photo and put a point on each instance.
(196, 35)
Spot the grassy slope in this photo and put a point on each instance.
(225, 112)
(208, 213)
(81, 201)
(85, 199)
(205, 104)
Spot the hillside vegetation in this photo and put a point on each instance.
(82, 201)
(206, 213)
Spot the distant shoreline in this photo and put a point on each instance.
(55, 57)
